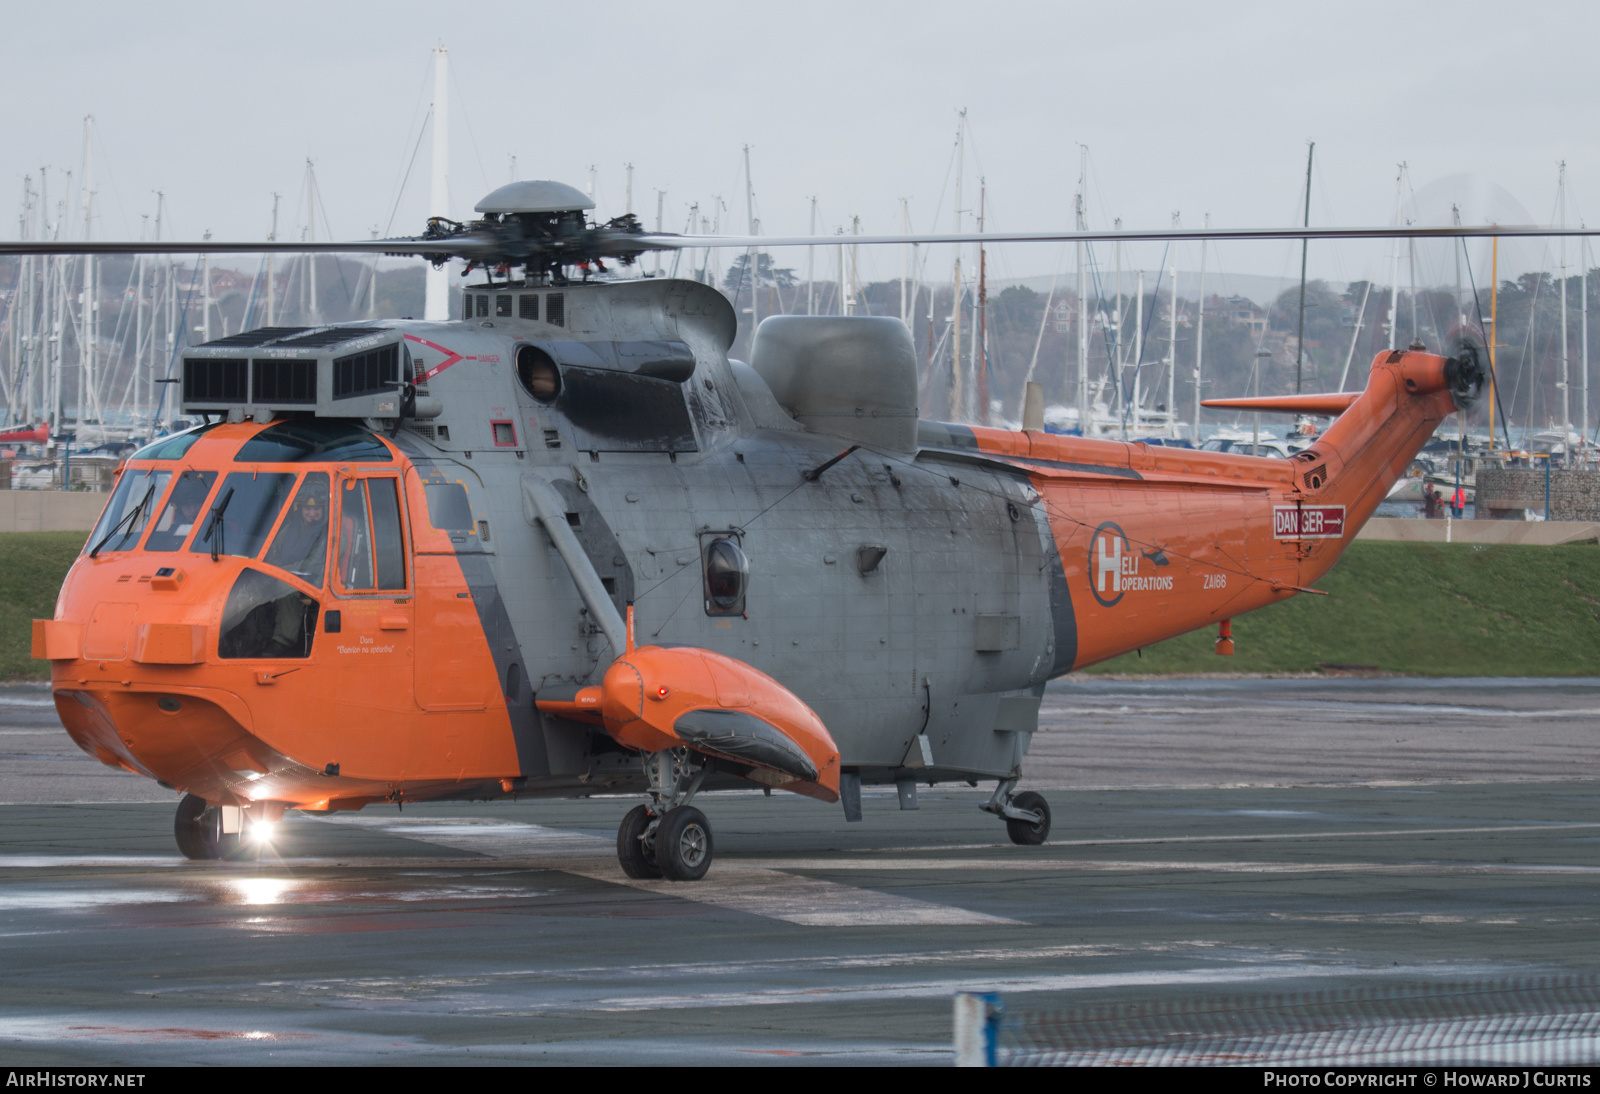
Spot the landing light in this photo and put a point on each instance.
(262, 831)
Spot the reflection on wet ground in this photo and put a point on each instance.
(505, 932)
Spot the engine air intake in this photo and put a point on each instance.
(366, 373)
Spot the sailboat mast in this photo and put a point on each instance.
(1583, 329)
(205, 292)
(272, 236)
(1494, 330)
(1300, 336)
(26, 296)
(1566, 412)
(1394, 278)
(958, 394)
(905, 262)
(661, 198)
(1200, 332)
(436, 292)
(139, 383)
(1116, 338)
(811, 265)
(88, 380)
(980, 345)
(752, 262)
(1085, 411)
(372, 282)
(1172, 345)
(1138, 346)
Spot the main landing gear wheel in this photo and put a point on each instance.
(683, 844)
(636, 844)
(198, 828)
(1024, 832)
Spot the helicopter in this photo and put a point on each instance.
(563, 545)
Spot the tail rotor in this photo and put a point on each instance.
(1467, 368)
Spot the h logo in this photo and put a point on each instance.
(1106, 554)
(1108, 563)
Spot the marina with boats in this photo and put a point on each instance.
(1116, 347)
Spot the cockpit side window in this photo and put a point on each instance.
(245, 509)
(371, 545)
(355, 537)
(127, 514)
(183, 511)
(301, 545)
(388, 547)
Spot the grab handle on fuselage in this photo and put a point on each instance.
(544, 506)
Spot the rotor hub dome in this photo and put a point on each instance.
(535, 196)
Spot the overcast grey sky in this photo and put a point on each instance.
(1194, 107)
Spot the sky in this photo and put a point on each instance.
(1199, 109)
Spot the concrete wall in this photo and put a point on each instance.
(1574, 495)
(49, 510)
(1540, 532)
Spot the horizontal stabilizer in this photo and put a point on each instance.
(1332, 404)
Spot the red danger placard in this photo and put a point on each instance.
(1308, 522)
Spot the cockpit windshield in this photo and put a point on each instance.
(246, 506)
(313, 440)
(182, 512)
(128, 511)
(174, 446)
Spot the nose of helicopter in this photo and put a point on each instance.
(128, 653)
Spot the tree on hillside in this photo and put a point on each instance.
(738, 276)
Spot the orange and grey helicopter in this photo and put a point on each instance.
(563, 545)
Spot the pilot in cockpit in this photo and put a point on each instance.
(301, 546)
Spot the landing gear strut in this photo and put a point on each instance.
(199, 830)
(1027, 815)
(667, 837)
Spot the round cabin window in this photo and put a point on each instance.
(538, 373)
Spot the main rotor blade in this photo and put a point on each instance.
(682, 242)
(484, 248)
(214, 247)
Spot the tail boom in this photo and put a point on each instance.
(1157, 541)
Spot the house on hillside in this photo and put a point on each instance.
(1237, 310)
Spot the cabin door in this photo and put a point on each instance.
(371, 639)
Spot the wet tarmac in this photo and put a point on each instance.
(1213, 840)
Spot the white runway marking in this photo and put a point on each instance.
(1143, 866)
(947, 987)
(1347, 708)
(1354, 833)
(737, 886)
(50, 862)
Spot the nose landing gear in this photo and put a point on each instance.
(200, 830)
(667, 837)
(1027, 815)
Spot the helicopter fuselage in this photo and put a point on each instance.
(916, 593)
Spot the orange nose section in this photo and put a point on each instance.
(654, 699)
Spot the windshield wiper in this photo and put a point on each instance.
(216, 525)
(131, 516)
